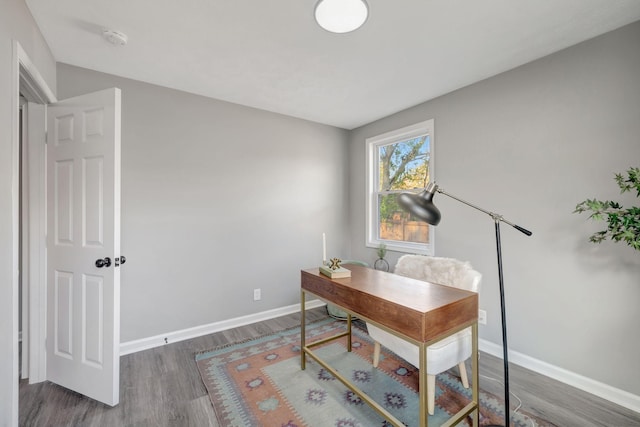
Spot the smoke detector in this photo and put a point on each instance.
(115, 37)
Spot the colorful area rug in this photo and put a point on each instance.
(260, 383)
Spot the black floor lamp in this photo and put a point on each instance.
(421, 206)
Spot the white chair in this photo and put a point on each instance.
(449, 352)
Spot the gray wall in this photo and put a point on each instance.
(217, 199)
(16, 23)
(540, 138)
(530, 144)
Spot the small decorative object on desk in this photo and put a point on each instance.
(334, 271)
(381, 263)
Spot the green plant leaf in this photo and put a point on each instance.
(622, 224)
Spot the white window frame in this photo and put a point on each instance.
(373, 176)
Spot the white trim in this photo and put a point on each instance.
(34, 230)
(23, 333)
(588, 385)
(198, 331)
(31, 81)
(15, 227)
(605, 391)
(25, 75)
(371, 209)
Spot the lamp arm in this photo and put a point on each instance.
(427, 211)
(496, 217)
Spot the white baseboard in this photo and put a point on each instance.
(589, 385)
(612, 394)
(198, 331)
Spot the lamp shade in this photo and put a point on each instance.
(341, 16)
(421, 205)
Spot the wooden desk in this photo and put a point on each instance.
(420, 312)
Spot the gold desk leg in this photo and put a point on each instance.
(476, 374)
(348, 332)
(303, 332)
(422, 386)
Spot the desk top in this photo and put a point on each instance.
(419, 310)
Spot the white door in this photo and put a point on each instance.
(83, 244)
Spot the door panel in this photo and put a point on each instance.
(63, 314)
(83, 163)
(63, 202)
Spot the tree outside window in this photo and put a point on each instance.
(403, 162)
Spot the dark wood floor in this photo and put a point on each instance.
(162, 387)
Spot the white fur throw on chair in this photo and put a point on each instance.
(443, 271)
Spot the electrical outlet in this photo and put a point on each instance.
(482, 317)
(257, 295)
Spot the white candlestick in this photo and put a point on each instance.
(324, 249)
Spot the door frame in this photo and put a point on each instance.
(33, 269)
(27, 78)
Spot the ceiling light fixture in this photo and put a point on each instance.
(341, 16)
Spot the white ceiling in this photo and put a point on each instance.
(270, 54)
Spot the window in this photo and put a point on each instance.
(397, 162)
